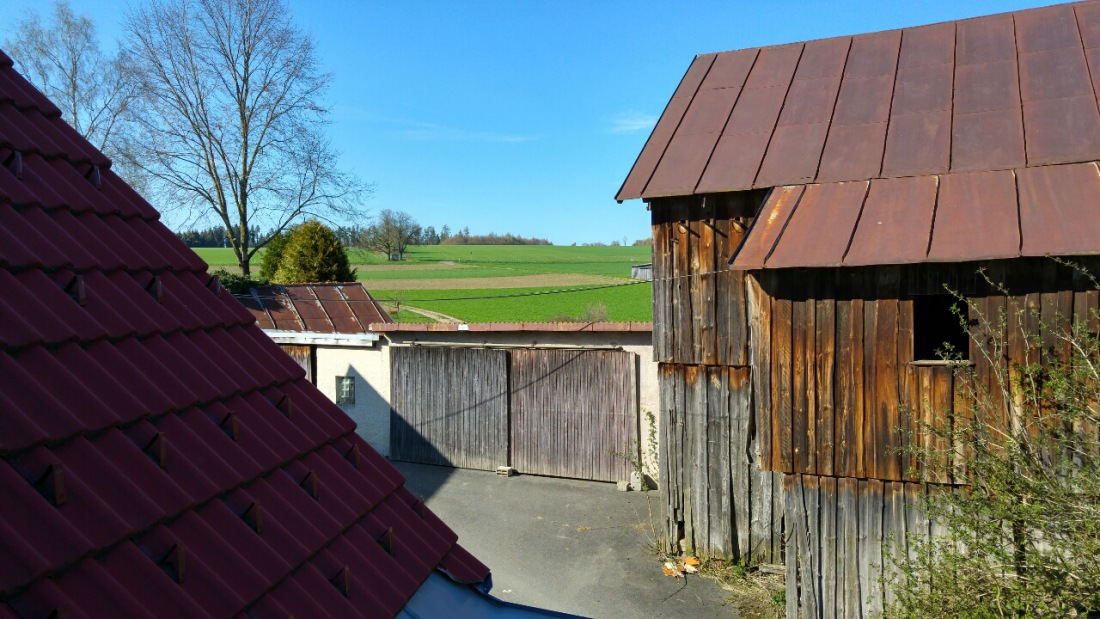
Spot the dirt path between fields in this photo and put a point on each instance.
(436, 316)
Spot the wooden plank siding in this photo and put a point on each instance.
(843, 534)
(717, 496)
(574, 413)
(844, 396)
(699, 309)
(449, 406)
(562, 413)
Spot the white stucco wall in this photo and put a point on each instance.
(371, 369)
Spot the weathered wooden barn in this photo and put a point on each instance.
(809, 203)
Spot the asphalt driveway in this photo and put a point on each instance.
(571, 546)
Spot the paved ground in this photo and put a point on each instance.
(571, 546)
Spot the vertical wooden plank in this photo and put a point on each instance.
(705, 264)
(828, 547)
(695, 458)
(826, 369)
(809, 546)
(896, 535)
(870, 552)
(781, 381)
(845, 461)
(810, 386)
(683, 317)
(905, 410)
(720, 439)
(801, 361)
(763, 456)
(871, 370)
(856, 387)
(792, 506)
(760, 326)
(662, 301)
(736, 336)
(886, 387)
(739, 392)
(723, 281)
(849, 508)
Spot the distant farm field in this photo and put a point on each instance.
(500, 283)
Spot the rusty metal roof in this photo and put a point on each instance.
(932, 100)
(159, 455)
(317, 308)
(1046, 210)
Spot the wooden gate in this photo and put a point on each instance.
(570, 410)
(449, 406)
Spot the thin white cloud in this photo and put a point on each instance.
(631, 122)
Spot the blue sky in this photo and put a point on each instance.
(525, 116)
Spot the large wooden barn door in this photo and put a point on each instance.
(570, 410)
(449, 406)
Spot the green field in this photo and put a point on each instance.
(499, 283)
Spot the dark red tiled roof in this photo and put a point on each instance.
(160, 455)
(318, 308)
(946, 98)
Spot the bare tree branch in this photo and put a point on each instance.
(232, 117)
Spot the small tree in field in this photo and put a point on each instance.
(393, 233)
(1021, 538)
(314, 254)
(273, 253)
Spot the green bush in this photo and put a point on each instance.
(1022, 537)
(313, 253)
(273, 254)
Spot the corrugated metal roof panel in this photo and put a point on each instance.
(1061, 130)
(137, 399)
(767, 227)
(1059, 209)
(991, 140)
(896, 222)
(976, 217)
(818, 232)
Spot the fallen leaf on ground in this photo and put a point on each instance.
(691, 561)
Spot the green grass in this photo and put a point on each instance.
(624, 303)
(510, 260)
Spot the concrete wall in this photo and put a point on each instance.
(371, 367)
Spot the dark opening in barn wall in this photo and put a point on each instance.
(939, 328)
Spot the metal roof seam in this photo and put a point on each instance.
(779, 114)
(855, 226)
(779, 236)
(954, 85)
(321, 305)
(344, 298)
(1019, 88)
(935, 208)
(679, 122)
(725, 123)
(1019, 216)
(890, 107)
(832, 114)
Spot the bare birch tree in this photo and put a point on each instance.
(233, 118)
(95, 91)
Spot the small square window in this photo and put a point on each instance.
(345, 390)
(937, 327)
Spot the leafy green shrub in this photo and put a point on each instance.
(313, 253)
(238, 284)
(1022, 538)
(273, 254)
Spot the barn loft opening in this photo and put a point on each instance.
(938, 329)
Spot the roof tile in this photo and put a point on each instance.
(143, 414)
